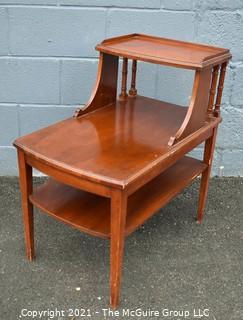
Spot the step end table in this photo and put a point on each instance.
(123, 156)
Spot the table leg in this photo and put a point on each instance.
(208, 159)
(25, 179)
(118, 222)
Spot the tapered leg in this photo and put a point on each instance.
(25, 178)
(118, 221)
(208, 159)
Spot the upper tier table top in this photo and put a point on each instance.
(165, 51)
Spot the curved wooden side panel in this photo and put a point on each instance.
(105, 89)
(197, 110)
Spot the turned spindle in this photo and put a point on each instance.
(220, 89)
(123, 94)
(213, 89)
(133, 90)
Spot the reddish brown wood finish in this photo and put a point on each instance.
(105, 89)
(123, 94)
(164, 51)
(25, 180)
(197, 110)
(213, 90)
(220, 89)
(133, 90)
(79, 209)
(118, 222)
(108, 140)
(124, 157)
(208, 160)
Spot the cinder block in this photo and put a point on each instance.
(228, 83)
(232, 164)
(237, 91)
(217, 162)
(175, 85)
(8, 161)
(3, 32)
(223, 28)
(77, 80)
(56, 31)
(230, 133)
(179, 25)
(32, 118)
(111, 3)
(145, 80)
(35, 2)
(222, 4)
(29, 80)
(198, 154)
(8, 124)
(178, 4)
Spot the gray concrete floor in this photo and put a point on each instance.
(170, 263)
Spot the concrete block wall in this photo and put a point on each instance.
(48, 62)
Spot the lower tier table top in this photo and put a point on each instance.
(111, 144)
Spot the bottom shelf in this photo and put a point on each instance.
(91, 213)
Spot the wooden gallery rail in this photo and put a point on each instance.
(110, 161)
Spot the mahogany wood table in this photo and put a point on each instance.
(123, 157)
